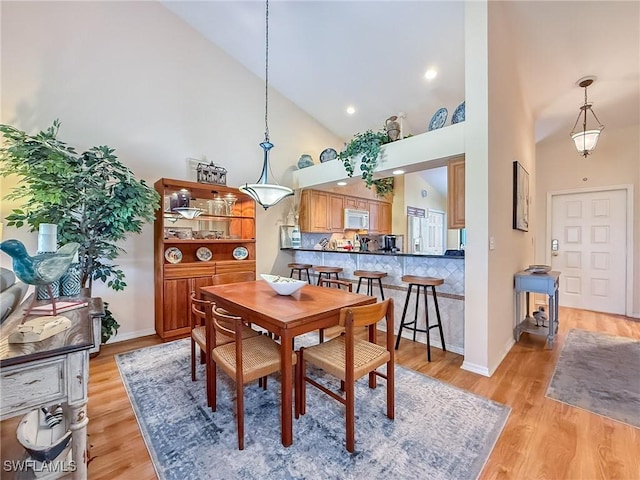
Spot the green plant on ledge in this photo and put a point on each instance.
(383, 186)
(365, 146)
(93, 198)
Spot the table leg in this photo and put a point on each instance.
(552, 320)
(78, 426)
(286, 421)
(518, 313)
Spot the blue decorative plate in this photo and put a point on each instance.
(458, 114)
(438, 119)
(305, 161)
(328, 154)
(240, 253)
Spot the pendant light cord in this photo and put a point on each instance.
(266, 75)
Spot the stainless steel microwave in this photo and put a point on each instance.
(356, 219)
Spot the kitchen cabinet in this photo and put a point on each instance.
(336, 213)
(323, 212)
(355, 203)
(189, 251)
(379, 217)
(455, 194)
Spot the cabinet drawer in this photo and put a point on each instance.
(24, 388)
(188, 270)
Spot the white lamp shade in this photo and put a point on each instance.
(586, 141)
(266, 194)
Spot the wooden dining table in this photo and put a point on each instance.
(288, 316)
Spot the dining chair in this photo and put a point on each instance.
(198, 331)
(233, 277)
(349, 358)
(337, 330)
(244, 360)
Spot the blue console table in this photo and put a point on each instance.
(547, 283)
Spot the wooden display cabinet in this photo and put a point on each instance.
(220, 228)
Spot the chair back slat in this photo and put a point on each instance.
(198, 310)
(326, 282)
(365, 315)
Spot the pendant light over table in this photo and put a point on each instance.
(265, 193)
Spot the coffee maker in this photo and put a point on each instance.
(389, 243)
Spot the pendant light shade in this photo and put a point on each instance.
(586, 140)
(265, 193)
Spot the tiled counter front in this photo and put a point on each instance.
(450, 294)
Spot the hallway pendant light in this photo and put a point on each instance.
(265, 193)
(586, 140)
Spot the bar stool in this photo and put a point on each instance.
(327, 271)
(370, 276)
(299, 267)
(421, 282)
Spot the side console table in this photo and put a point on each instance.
(54, 370)
(537, 283)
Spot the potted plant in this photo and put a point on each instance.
(366, 147)
(383, 186)
(93, 198)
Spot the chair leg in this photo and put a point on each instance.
(435, 302)
(372, 380)
(350, 414)
(193, 360)
(415, 315)
(426, 314)
(308, 276)
(291, 274)
(240, 414)
(212, 384)
(381, 291)
(359, 283)
(404, 313)
(303, 383)
(391, 389)
(296, 386)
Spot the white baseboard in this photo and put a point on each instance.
(121, 337)
(472, 367)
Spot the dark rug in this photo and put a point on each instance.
(440, 432)
(600, 373)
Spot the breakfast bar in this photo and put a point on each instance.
(395, 265)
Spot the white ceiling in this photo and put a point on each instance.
(326, 55)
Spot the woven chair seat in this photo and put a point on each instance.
(330, 356)
(260, 357)
(199, 334)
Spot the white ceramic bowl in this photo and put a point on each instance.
(283, 285)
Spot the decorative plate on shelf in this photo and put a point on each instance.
(438, 119)
(173, 255)
(240, 253)
(328, 154)
(538, 269)
(458, 114)
(203, 254)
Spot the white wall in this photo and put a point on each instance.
(133, 76)
(499, 130)
(616, 161)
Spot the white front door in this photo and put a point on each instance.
(590, 230)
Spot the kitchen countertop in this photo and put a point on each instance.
(387, 254)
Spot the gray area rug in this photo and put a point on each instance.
(600, 373)
(440, 432)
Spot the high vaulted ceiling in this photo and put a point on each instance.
(325, 56)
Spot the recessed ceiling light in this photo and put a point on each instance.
(342, 184)
(430, 74)
(351, 110)
(397, 172)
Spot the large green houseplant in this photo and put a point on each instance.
(93, 198)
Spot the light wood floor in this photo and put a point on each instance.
(543, 439)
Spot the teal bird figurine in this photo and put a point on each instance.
(42, 269)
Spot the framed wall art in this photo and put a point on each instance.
(521, 197)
